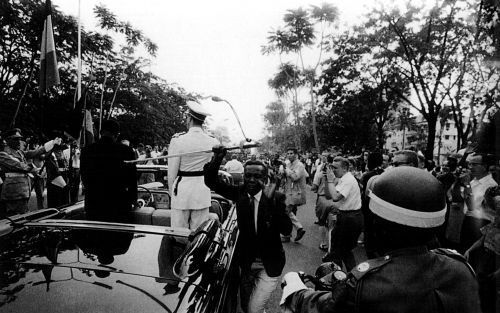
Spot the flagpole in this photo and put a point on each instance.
(79, 70)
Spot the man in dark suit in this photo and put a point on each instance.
(261, 218)
(110, 183)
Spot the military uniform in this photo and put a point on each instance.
(406, 280)
(185, 174)
(16, 188)
(191, 198)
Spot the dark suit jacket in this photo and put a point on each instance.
(110, 184)
(271, 221)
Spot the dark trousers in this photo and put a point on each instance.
(345, 237)
(74, 184)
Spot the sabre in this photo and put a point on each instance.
(218, 99)
(247, 146)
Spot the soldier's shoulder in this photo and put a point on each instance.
(177, 135)
(453, 254)
(370, 266)
(211, 136)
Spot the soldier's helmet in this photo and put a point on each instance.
(409, 196)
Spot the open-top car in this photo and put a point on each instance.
(55, 260)
(153, 194)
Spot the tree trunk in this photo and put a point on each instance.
(431, 137)
(380, 136)
(439, 144)
(404, 135)
(313, 115)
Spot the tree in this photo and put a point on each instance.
(147, 107)
(421, 42)
(221, 133)
(285, 84)
(298, 34)
(406, 120)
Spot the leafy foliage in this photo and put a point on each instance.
(149, 109)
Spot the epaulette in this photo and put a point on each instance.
(369, 266)
(176, 135)
(454, 255)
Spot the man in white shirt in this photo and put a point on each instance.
(476, 215)
(349, 225)
(235, 168)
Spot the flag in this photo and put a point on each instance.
(88, 129)
(49, 75)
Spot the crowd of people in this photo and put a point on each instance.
(50, 169)
(347, 210)
(430, 233)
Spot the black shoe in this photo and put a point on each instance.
(300, 234)
(327, 258)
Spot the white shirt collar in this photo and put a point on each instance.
(257, 196)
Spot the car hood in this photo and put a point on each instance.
(79, 270)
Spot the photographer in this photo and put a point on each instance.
(408, 277)
(324, 206)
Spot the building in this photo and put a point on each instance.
(416, 137)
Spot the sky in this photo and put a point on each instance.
(213, 48)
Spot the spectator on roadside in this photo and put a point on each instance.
(405, 158)
(474, 186)
(57, 164)
(349, 218)
(485, 253)
(295, 190)
(75, 178)
(374, 166)
(235, 168)
(39, 179)
(323, 205)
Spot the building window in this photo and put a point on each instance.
(446, 137)
(447, 125)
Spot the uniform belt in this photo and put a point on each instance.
(15, 175)
(349, 211)
(181, 174)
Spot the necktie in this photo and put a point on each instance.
(252, 212)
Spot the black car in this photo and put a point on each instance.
(55, 261)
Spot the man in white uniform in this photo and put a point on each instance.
(190, 196)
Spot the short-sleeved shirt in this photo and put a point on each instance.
(479, 187)
(234, 166)
(349, 188)
(192, 193)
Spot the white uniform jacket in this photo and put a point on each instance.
(189, 192)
